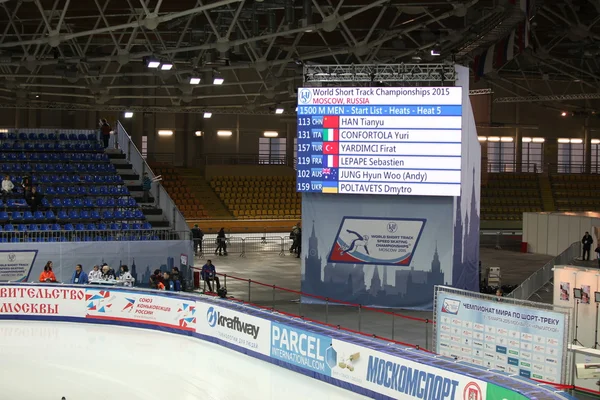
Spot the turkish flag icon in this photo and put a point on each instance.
(331, 121)
(331, 148)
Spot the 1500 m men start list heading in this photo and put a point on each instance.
(385, 141)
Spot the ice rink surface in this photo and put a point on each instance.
(48, 360)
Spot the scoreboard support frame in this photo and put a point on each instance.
(384, 73)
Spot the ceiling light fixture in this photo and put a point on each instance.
(198, 133)
(224, 133)
(153, 63)
(270, 134)
(128, 114)
(217, 80)
(166, 67)
(165, 133)
(563, 114)
(279, 110)
(207, 114)
(538, 140)
(194, 81)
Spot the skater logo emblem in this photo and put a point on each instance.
(217, 319)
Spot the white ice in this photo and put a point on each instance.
(49, 360)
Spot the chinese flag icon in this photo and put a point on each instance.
(331, 148)
(331, 121)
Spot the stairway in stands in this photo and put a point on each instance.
(546, 192)
(133, 181)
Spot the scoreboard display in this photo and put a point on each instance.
(381, 141)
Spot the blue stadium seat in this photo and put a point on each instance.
(6, 146)
(38, 216)
(67, 202)
(92, 136)
(27, 146)
(115, 227)
(131, 202)
(22, 136)
(88, 203)
(60, 190)
(39, 146)
(118, 215)
(138, 214)
(77, 202)
(72, 136)
(52, 136)
(22, 228)
(99, 238)
(17, 146)
(111, 202)
(62, 215)
(45, 227)
(82, 136)
(122, 203)
(108, 215)
(91, 227)
(128, 215)
(56, 227)
(50, 215)
(42, 136)
(22, 157)
(69, 227)
(15, 240)
(113, 190)
(63, 136)
(62, 238)
(3, 136)
(56, 202)
(33, 227)
(146, 225)
(74, 214)
(85, 215)
(99, 179)
(136, 226)
(95, 215)
(82, 190)
(79, 227)
(17, 216)
(9, 228)
(101, 202)
(103, 190)
(3, 216)
(125, 226)
(101, 226)
(27, 216)
(89, 178)
(94, 191)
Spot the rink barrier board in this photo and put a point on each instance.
(440, 366)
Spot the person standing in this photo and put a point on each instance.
(197, 237)
(79, 276)
(299, 241)
(146, 187)
(294, 237)
(221, 243)
(105, 132)
(178, 279)
(587, 242)
(34, 199)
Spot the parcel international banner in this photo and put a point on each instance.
(381, 241)
(50, 300)
(139, 307)
(514, 339)
(234, 327)
(400, 378)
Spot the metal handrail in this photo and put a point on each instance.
(513, 167)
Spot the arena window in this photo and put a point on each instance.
(272, 150)
(501, 154)
(532, 154)
(570, 156)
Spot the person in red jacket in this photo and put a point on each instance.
(47, 275)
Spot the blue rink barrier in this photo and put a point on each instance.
(374, 368)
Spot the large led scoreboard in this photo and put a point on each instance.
(381, 141)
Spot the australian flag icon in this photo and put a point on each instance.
(330, 174)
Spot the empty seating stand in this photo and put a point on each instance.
(506, 196)
(186, 202)
(84, 198)
(576, 192)
(259, 197)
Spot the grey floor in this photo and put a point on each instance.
(266, 269)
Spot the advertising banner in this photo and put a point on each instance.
(509, 338)
(498, 392)
(42, 300)
(141, 308)
(381, 241)
(15, 265)
(399, 378)
(234, 327)
(302, 348)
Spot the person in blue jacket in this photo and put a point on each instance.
(79, 276)
(209, 274)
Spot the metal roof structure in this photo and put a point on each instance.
(95, 54)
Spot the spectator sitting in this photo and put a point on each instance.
(177, 277)
(95, 274)
(146, 187)
(79, 276)
(209, 274)
(126, 276)
(34, 199)
(7, 188)
(107, 273)
(168, 282)
(156, 279)
(47, 274)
